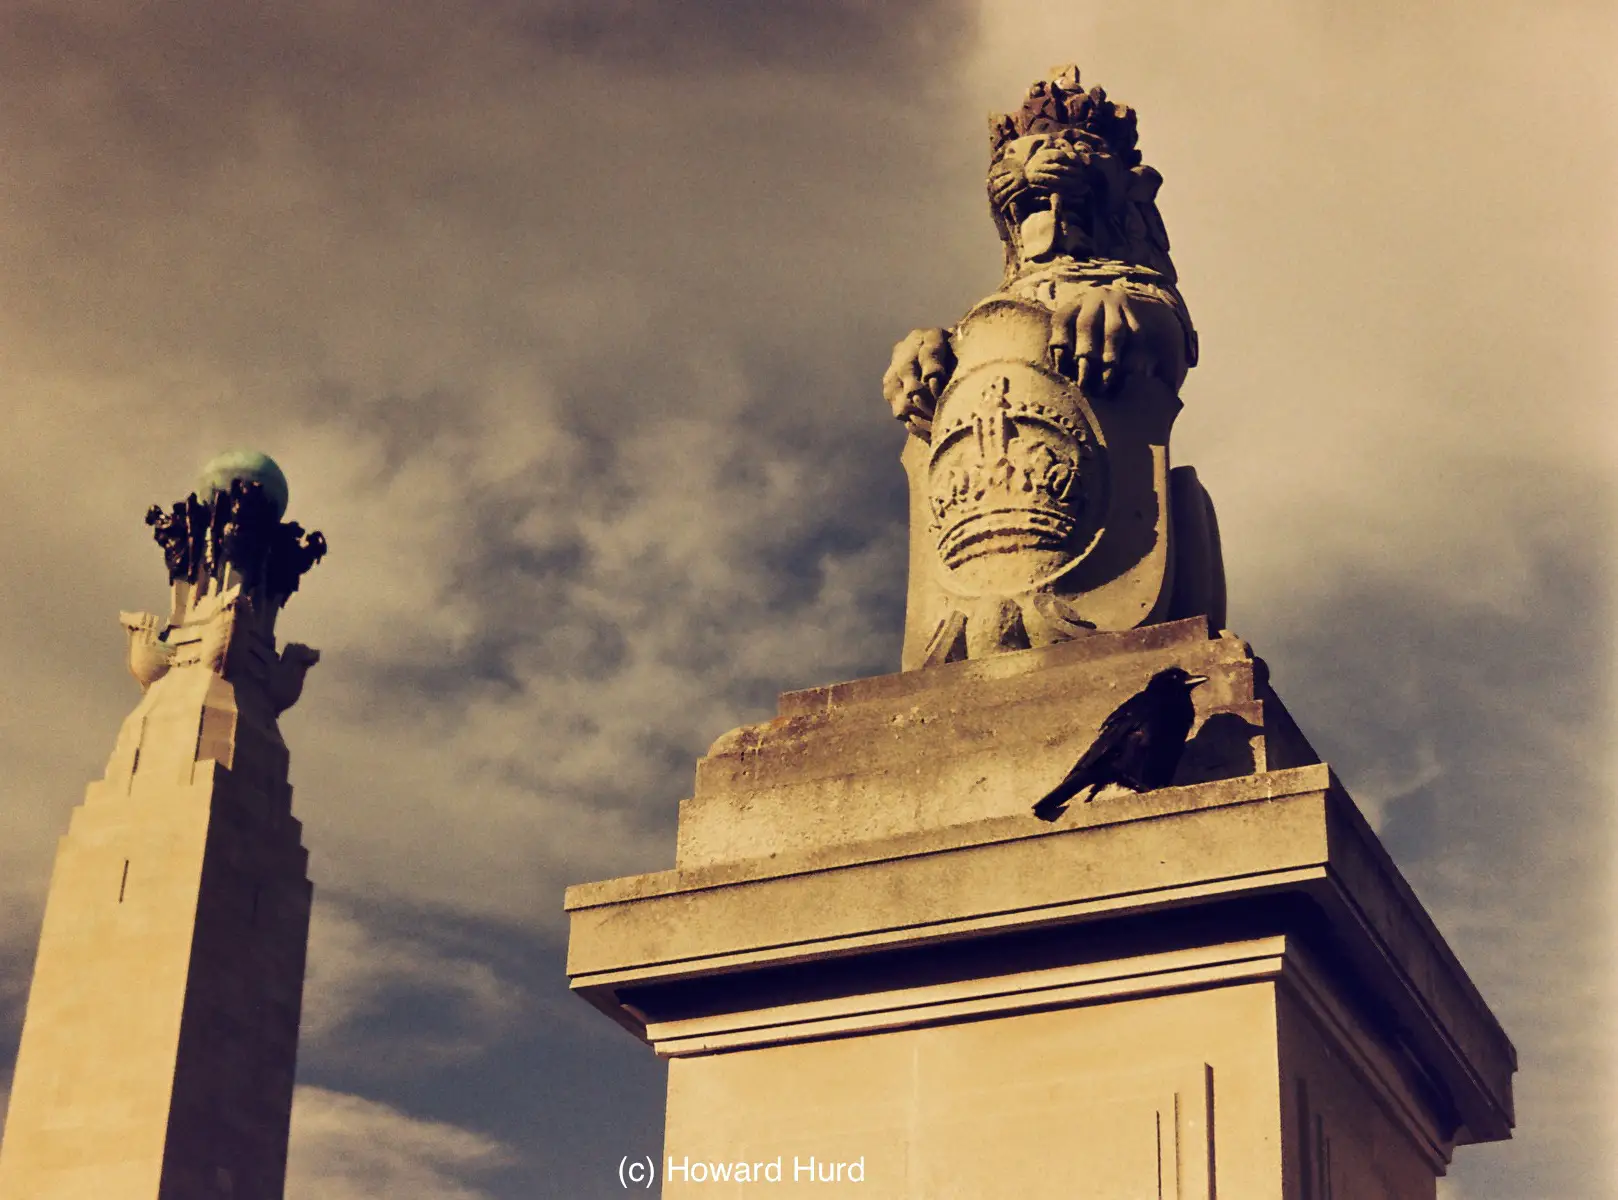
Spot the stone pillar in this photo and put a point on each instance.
(870, 954)
(160, 1040)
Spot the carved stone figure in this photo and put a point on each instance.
(286, 675)
(1042, 502)
(150, 655)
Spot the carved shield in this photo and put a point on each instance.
(1017, 473)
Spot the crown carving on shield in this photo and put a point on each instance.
(1010, 479)
(1061, 103)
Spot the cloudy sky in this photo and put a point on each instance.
(566, 319)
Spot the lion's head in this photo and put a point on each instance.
(1065, 180)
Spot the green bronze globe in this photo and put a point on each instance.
(247, 465)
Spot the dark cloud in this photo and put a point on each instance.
(839, 37)
(179, 85)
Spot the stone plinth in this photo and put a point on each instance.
(161, 1036)
(871, 953)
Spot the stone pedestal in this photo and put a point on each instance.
(870, 955)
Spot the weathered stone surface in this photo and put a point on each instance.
(1226, 981)
(160, 1038)
(1038, 460)
(925, 750)
(1129, 941)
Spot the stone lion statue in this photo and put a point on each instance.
(1043, 506)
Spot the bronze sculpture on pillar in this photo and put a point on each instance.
(160, 1040)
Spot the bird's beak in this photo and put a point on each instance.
(1196, 679)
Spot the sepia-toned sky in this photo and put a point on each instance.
(566, 320)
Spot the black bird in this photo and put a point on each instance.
(1139, 745)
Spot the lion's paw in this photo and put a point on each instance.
(921, 367)
(1103, 333)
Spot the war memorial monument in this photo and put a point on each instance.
(872, 958)
(975, 930)
(161, 1035)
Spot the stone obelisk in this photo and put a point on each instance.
(160, 1040)
(876, 962)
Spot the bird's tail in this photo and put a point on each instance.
(1051, 807)
(1055, 803)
